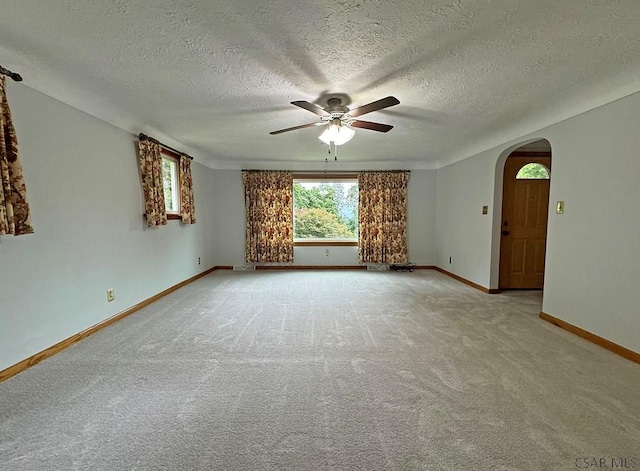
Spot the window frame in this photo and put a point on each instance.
(330, 178)
(169, 155)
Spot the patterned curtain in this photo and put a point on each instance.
(151, 172)
(15, 217)
(187, 203)
(382, 217)
(268, 198)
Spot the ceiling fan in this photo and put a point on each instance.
(341, 119)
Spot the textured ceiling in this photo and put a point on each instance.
(215, 77)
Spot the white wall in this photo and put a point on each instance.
(421, 217)
(593, 250)
(463, 232)
(86, 204)
(229, 232)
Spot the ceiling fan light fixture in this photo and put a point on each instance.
(337, 133)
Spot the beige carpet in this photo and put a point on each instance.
(344, 370)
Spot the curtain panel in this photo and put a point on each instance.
(382, 217)
(268, 200)
(150, 160)
(15, 217)
(187, 203)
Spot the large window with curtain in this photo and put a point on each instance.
(167, 184)
(283, 211)
(325, 209)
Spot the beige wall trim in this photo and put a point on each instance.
(467, 282)
(593, 338)
(49, 352)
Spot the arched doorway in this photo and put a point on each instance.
(525, 211)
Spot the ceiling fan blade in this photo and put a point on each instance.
(309, 125)
(369, 125)
(374, 106)
(311, 107)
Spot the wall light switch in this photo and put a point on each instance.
(560, 207)
(485, 210)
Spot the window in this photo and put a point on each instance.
(533, 171)
(170, 181)
(325, 211)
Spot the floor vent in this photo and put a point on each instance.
(244, 268)
(378, 267)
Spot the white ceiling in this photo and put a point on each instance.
(215, 77)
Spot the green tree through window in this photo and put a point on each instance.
(168, 172)
(533, 171)
(325, 210)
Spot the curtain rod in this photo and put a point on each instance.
(144, 137)
(8, 73)
(321, 172)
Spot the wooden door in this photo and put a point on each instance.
(525, 208)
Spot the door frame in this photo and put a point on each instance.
(496, 221)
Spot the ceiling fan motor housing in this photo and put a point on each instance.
(335, 108)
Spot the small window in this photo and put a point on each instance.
(533, 171)
(170, 184)
(325, 211)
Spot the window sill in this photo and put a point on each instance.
(322, 243)
(173, 216)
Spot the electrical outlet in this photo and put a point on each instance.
(198, 260)
(326, 253)
(110, 295)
